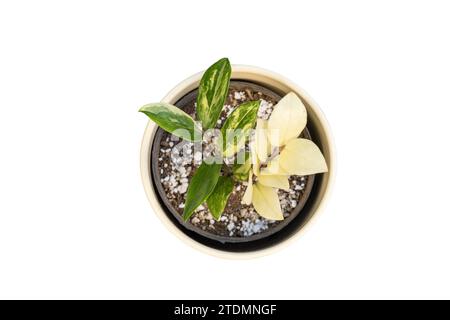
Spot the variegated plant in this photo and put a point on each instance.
(277, 152)
(213, 181)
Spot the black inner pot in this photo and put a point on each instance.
(283, 230)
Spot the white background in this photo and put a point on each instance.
(74, 219)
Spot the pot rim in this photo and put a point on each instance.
(239, 72)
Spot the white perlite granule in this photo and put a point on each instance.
(265, 110)
(176, 178)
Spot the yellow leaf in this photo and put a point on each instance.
(256, 170)
(261, 140)
(247, 197)
(254, 156)
(275, 181)
(287, 120)
(266, 203)
(300, 157)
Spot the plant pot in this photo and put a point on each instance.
(317, 186)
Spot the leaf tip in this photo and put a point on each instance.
(147, 108)
(142, 109)
(225, 60)
(186, 215)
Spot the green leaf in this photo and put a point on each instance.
(237, 127)
(212, 92)
(241, 170)
(173, 120)
(218, 199)
(200, 187)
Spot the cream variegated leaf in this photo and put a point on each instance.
(300, 157)
(275, 181)
(287, 120)
(261, 140)
(247, 197)
(173, 120)
(212, 92)
(255, 160)
(266, 203)
(256, 169)
(238, 126)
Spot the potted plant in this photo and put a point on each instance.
(236, 160)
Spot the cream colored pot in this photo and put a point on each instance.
(322, 137)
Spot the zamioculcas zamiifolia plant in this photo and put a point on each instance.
(264, 157)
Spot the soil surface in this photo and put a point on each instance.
(178, 161)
